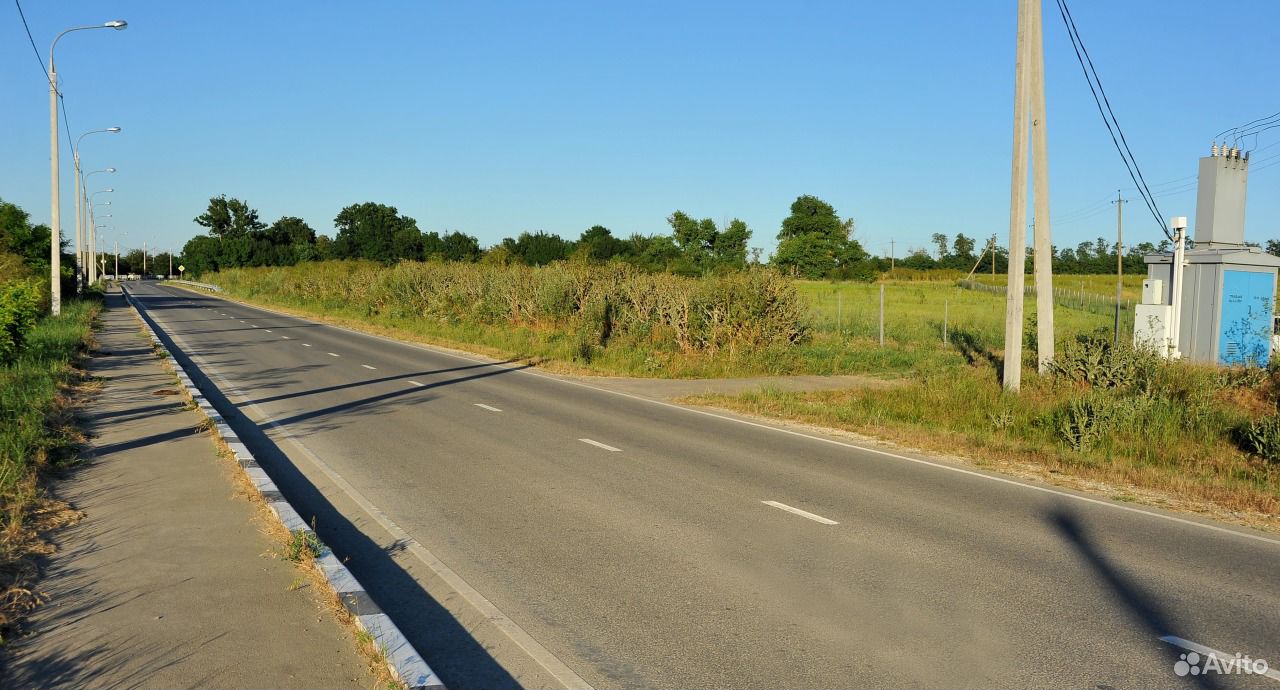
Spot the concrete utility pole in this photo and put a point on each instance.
(55, 203)
(1119, 202)
(1013, 317)
(1029, 112)
(1043, 258)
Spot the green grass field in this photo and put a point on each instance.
(915, 312)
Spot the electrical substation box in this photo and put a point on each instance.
(1228, 287)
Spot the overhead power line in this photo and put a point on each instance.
(1109, 117)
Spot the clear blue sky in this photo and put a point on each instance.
(498, 117)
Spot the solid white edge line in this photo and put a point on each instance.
(487, 407)
(801, 513)
(778, 429)
(487, 609)
(598, 444)
(1190, 646)
(366, 366)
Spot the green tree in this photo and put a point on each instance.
(458, 246)
(538, 248)
(815, 242)
(940, 241)
(811, 215)
(377, 232)
(228, 218)
(600, 244)
(704, 247)
(201, 254)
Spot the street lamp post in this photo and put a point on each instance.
(81, 237)
(55, 220)
(93, 206)
(92, 230)
(92, 213)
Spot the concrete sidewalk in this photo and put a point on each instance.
(169, 581)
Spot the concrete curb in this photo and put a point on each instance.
(402, 659)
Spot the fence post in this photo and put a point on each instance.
(881, 314)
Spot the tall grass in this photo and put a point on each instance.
(30, 388)
(610, 317)
(36, 429)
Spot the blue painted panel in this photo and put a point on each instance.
(1245, 337)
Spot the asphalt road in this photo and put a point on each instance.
(627, 543)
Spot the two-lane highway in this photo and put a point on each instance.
(625, 542)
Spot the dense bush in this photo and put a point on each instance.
(743, 310)
(21, 303)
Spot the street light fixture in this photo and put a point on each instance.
(93, 231)
(55, 219)
(82, 248)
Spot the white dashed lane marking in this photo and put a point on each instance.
(801, 513)
(333, 354)
(366, 366)
(598, 444)
(487, 407)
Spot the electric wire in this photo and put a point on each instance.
(1112, 124)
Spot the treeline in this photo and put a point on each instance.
(963, 254)
(813, 242)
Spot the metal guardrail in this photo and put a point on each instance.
(204, 286)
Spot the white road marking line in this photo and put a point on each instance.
(494, 409)
(416, 383)
(801, 513)
(487, 610)
(255, 325)
(306, 344)
(366, 366)
(1103, 503)
(1201, 649)
(598, 444)
(286, 337)
(333, 354)
(241, 320)
(268, 330)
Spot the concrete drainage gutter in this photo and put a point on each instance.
(403, 660)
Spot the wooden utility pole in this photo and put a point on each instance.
(1119, 202)
(1018, 204)
(1040, 173)
(892, 254)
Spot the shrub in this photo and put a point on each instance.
(20, 306)
(1261, 437)
(1096, 361)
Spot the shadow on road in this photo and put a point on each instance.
(1143, 608)
(453, 653)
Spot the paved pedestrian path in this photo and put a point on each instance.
(170, 579)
